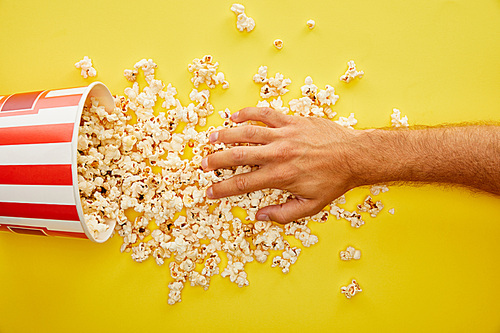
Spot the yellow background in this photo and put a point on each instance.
(432, 267)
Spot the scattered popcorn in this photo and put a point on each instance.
(243, 22)
(205, 71)
(141, 166)
(391, 211)
(273, 86)
(350, 290)
(350, 253)
(348, 122)
(237, 8)
(278, 43)
(86, 67)
(314, 103)
(377, 189)
(287, 258)
(130, 75)
(368, 206)
(351, 73)
(354, 218)
(147, 65)
(311, 24)
(396, 119)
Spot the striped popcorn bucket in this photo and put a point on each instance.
(38, 161)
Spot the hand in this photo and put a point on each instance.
(305, 156)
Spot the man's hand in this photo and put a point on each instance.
(306, 156)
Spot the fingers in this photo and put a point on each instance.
(243, 134)
(288, 212)
(244, 155)
(268, 116)
(241, 184)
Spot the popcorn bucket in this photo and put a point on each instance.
(38, 168)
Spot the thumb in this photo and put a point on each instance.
(287, 212)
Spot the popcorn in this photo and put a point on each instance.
(147, 65)
(354, 218)
(391, 211)
(288, 257)
(311, 24)
(130, 75)
(237, 8)
(350, 253)
(205, 71)
(371, 207)
(276, 104)
(351, 289)
(348, 122)
(86, 67)
(351, 73)
(278, 43)
(141, 166)
(236, 273)
(396, 119)
(174, 295)
(314, 103)
(377, 189)
(243, 22)
(273, 86)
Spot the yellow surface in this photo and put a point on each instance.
(432, 267)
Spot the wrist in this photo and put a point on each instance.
(375, 157)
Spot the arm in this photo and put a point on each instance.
(318, 160)
(467, 155)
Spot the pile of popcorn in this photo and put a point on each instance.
(138, 163)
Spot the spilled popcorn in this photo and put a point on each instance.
(278, 43)
(273, 86)
(351, 73)
(139, 165)
(397, 120)
(314, 102)
(377, 189)
(311, 24)
(350, 253)
(368, 206)
(351, 289)
(243, 22)
(86, 67)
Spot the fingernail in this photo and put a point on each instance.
(210, 193)
(213, 137)
(262, 217)
(235, 115)
(204, 163)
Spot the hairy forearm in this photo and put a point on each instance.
(466, 155)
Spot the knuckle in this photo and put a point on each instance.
(283, 152)
(285, 175)
(291, 120)
(241, 183)
(237, 154)
(250, 132)
(265, 112)
(259, 156)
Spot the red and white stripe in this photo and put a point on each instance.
(37, 161)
